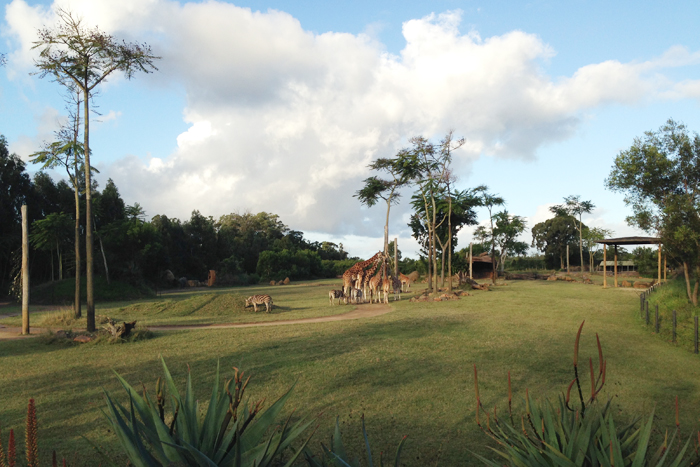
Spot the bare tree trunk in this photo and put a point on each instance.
(53, 278)
(88, 217)
(449, 246)
(76, 301)
(686, 273)
(25, 271)
(60, 263)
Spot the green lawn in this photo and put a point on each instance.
(409, 371)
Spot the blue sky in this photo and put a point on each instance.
(278, 106)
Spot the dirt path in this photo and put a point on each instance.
(366, 311)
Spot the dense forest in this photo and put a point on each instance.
(242, 248)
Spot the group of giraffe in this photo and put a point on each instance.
(361, 283)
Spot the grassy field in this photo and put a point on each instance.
(409, 371)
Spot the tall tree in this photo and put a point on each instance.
(506, 232)
(67, 152)
(76, 56)
(574, 207)
(376, 188)
(590, 240)
(52, 233)
(15, 187)
(660, 177)
(552, 236)
(490, 201)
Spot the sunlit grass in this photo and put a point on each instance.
(409, 371)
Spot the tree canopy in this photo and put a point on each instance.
(660, 177)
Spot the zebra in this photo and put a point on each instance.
(256, 300)
(355, 294)
(333, 294)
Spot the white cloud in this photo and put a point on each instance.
(286, 121)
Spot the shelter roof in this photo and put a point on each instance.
(630, 241)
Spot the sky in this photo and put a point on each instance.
(279, 106)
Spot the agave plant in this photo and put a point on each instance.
(564, 435)
(230, 434)
(337, 456)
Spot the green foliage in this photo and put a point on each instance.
(336, 455)
(229, 433)
(646, 261)
(277, 265)
(661, 181)
(552, 236)
(62, 292)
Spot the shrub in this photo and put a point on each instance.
(228, 434)
(562, 434)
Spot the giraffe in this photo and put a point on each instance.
(367, 278)
(374, 286)
(350, 275)
(405, 280)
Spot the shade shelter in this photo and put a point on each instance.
(629, 241)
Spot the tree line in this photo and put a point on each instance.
(242, 247)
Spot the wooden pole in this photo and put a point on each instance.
(615, 266)
(567, 259)
(25, 271)
(471, 275)
(396, 257)
(605, 266)
(659, 274)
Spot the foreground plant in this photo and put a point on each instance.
(229, 434)
(336, 455)
(564, 434)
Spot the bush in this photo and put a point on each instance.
(227, 434)
(582, 434)
(63, 292)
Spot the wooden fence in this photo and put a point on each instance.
(644, 312)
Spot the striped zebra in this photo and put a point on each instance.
(333, 294)
(256, 300)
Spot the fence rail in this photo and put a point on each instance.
(644, 314)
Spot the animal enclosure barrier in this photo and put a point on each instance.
(658, 319)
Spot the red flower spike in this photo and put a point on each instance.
(510, 392)
(578, 338)
(600, 354)
(590, 361)
(568, 391)
(11, 450)
(478, 400)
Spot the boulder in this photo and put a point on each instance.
(169, 276)
(552, 278)
(193, 283)
(273, 283)
(626, 284)
(280, 283)
(83, 339)
(286, 281)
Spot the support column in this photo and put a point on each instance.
(605, 266)
(615, 266)
(471, 275)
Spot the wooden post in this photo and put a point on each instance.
(25, 271)
(664, 267)
(659, 274)
(615, 266)
(656, 319)
(471, 258)
(567, 259)
(674, 326)
(641, 303)
(605, 266)
(646, 308)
